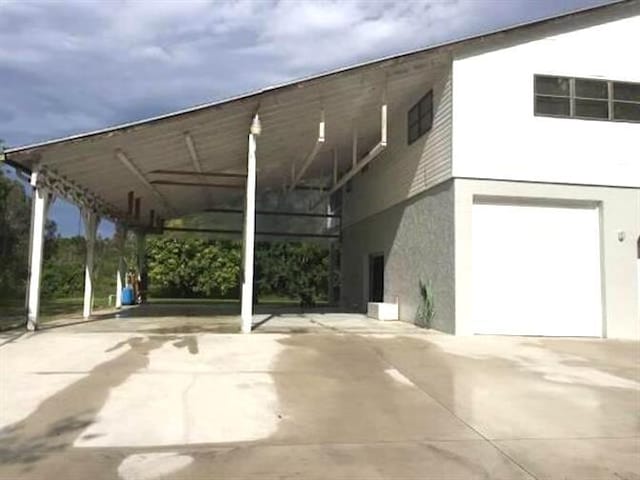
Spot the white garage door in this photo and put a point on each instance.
(536, 270)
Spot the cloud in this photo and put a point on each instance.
(78, 65)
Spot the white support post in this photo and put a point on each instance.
(359, 165)
(91, 221)
(246, 313)
(297, 176)
(120, 273)
(38, 224)
(141, 247)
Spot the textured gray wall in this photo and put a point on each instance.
(417, 239)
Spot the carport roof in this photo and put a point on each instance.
(138, 156)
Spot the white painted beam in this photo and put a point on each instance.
(249, 230)
(354, 147)
(91, 222)
(132, 167)
(297, 176)
(193, 154)
(373, 153)
(195, 160)
(41, 198)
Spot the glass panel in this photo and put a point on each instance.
(552, 85)
(413, 115)
(414, 132)
(592, 109)
(426, 102)
(592, 89)
(552, 106)
(425, 122)
(626, 91)
(626, 111)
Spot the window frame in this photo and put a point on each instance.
(572, 97)
(422, 129)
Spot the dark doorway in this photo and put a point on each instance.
(376, 278)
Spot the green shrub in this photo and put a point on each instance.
(427, 307)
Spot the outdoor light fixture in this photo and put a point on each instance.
(256, 127)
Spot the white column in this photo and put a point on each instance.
(249, 230)
(121, 233)
(38, 223)
(91, 221)
(141, 244)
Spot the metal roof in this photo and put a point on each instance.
(111, 162)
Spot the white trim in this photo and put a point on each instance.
(91, 221)
(41, 198)
(312, 154)
(246, 314)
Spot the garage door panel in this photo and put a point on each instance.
(536, 270)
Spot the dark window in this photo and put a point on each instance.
(586, 98)
(626, 111)
(553, 96)
(626, 101)
(592, 89)
(592, 109)
(420, 118)
(556, 86)
(626, 91)
(376, 278)
(560, 107)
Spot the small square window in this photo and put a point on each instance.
(592, 89)
(420, 118)
(626, 91)
(592, 109)
(554, 106)
(557, 86)
(626, 111)
(414, 132)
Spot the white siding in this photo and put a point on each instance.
(402, 170)
(495, 133)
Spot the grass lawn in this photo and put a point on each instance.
(12, 312)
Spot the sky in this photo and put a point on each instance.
(78, 65)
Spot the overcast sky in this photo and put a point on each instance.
(73, 66)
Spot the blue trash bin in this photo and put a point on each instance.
(128, 298)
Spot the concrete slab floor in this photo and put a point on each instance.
(333, 404)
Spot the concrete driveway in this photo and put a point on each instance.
(329, 404)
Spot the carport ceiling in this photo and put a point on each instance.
(213, 138)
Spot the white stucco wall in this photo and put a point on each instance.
(495, 132)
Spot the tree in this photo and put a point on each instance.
(185, 267)
(15, 213)
(293, 269)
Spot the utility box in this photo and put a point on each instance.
(382, 311)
